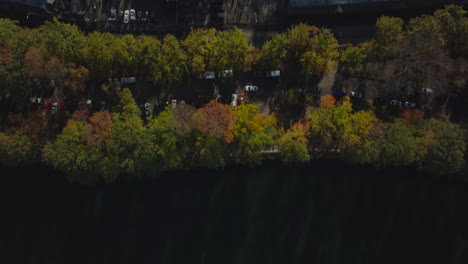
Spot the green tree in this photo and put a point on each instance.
(454, 27)
(199, 45)
(293, 145)
(62, 40)
(15, 83)
(230, 50)
(70, 154)
(168, 134)
(252, 134)
(273, 52)
(353, 56)
(389, 32)
(126, 147)
(329, 127)
(399, 147)
(98, 55)
(171, 66)
(441, 146)
(16, 149)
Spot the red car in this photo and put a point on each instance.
(47, 105)
(241, 98)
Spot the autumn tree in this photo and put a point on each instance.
(98, 129)
(55, 75)
(293, 145)
(215, 125)
(171, 66)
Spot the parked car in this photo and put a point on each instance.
(234, 99)
(241, 98)
(426, 108)
(54, 107)
(113, 14)
(426, 91)
(272, 74)
(174, 103)
(139, 15)
(147, 110)
(226, 74)
(251, 88)
(102, 106)
(409, 105)
(356, 95)
(89, 102)
(208, 75)
(144, 17)
(396, 103)
(132, 15)
(338, 94)
(126, 16)
(129, 80)
(47, 106)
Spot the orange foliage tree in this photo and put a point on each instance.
(99, 129)
(216, 120)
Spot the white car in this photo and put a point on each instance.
(251, 88)
(426, 91)
(234, 99)
(174, 103)
(126, 17)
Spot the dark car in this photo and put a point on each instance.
(426, 108)
(356, 95)
(102, 106)
(338, 94)
(396, 103)
(139, 15)
(409, 105)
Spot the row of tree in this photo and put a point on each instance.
(429, 51)
(104, 145)
(59, 59)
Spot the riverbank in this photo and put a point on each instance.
(323, 212)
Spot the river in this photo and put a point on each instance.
(324, 212)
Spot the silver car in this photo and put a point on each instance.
(251, 88)
(126, 17)
(132, 15)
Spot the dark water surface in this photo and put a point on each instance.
(321, 213)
